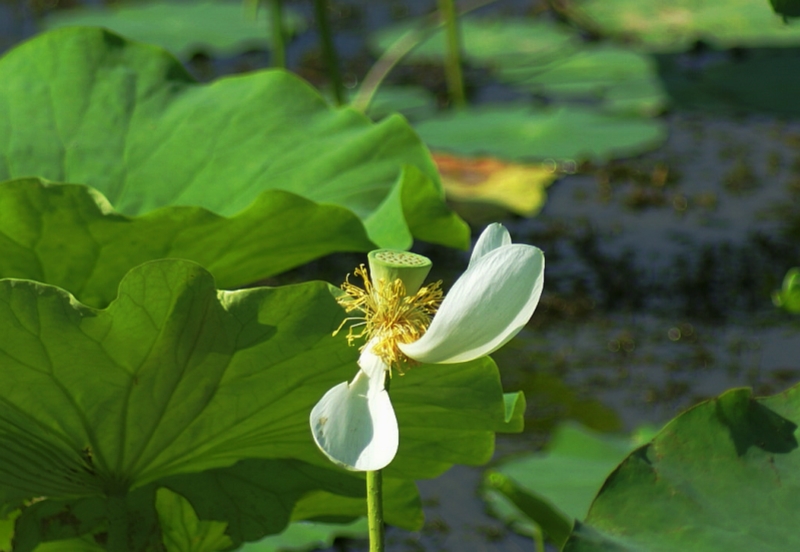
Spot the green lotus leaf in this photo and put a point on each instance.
(721, 476)
(176, 384)
(521, 133)
(86, 106)
(256, 497)
(549, 61)
(450, 411)
(676, 26)
(414, 102)
(84, 523)
(616, 79)
(401, 504)
(306, 535)
(69, 236)
(83, 544)
(485, 41)
(54, 520)
(7, 527)
(183, 531)
(184, 28)
(553, 488)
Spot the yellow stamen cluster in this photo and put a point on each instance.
(390, 315)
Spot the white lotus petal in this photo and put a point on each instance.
(355, 426)
(487, 306)
(372, 365)
(495, 235)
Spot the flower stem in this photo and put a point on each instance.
(328, 50)
(278, 35)
(452, 63)
(375, 510)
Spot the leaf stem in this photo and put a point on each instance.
(329, 50)
(278, 34)
(452, 62)
(375, 511)
(397, 51)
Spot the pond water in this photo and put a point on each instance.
(659, 271)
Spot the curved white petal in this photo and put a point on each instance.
(354, 424)
(495, 235)
(373, 366)
(486, 307)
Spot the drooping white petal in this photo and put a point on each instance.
(354, 424)
(488, 305)
(495, 235)
(373, 366)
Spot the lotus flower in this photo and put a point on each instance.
(404, 324)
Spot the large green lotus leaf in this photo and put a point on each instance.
(723, 476)
(304, 535)
(676, 26)
(172, 377)
(762, 80)
(86, 522)
(256, 497)
(182, 27)
(485, 40)
(401, 503)
(54, 520)
(553, 488)
(246, 501)
(83, 105)
(450, 411)
(617, 79)
(176, 378)
(69, 236)
(521, 133)
(183, 531)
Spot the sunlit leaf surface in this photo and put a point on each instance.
(85, 106)
(69, 236)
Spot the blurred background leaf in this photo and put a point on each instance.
(185, 28)
(658, 26)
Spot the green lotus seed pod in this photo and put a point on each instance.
(390, 264)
